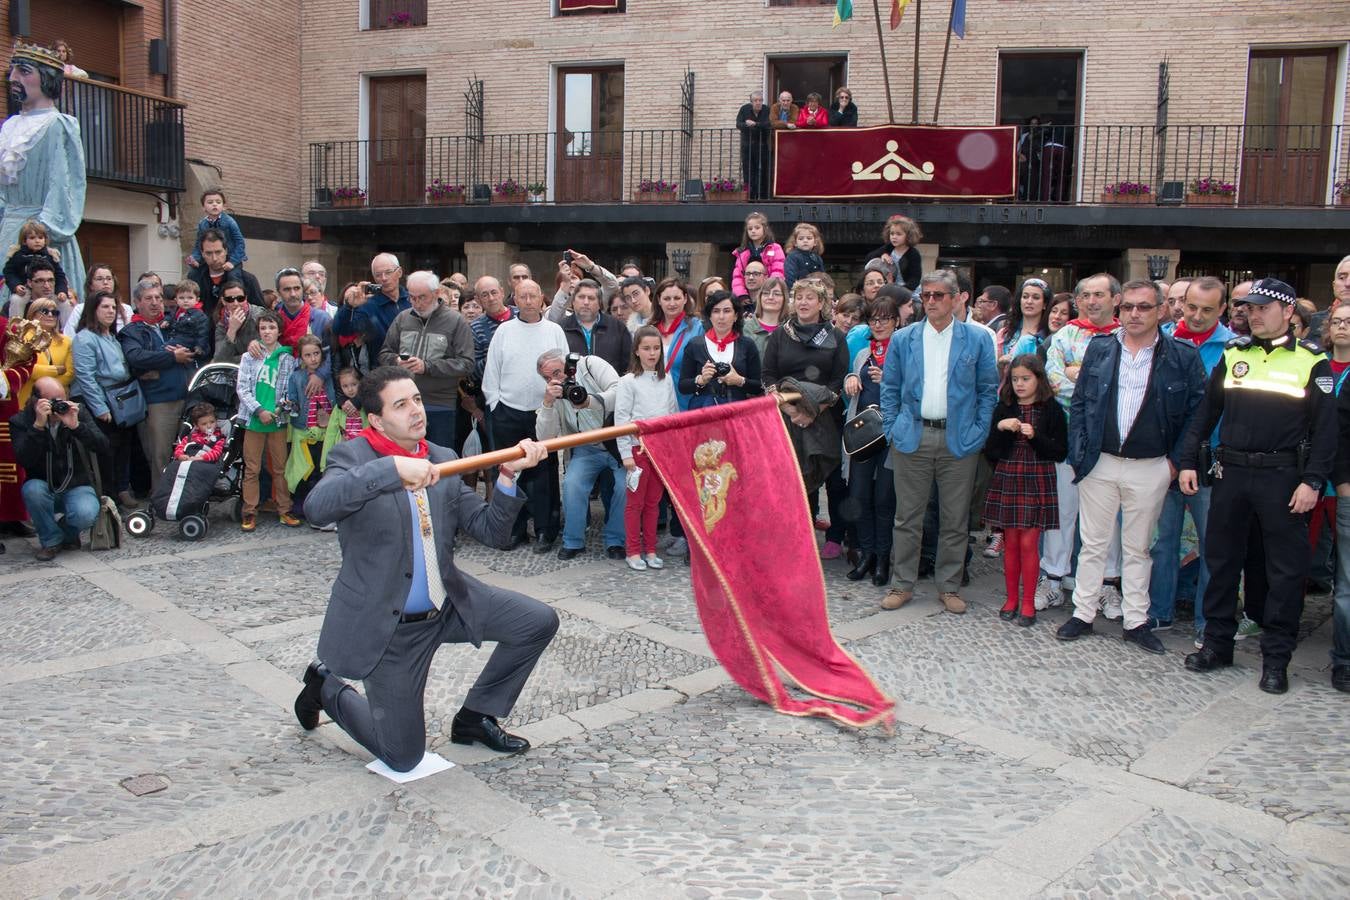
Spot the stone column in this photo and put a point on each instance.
(702, 260)
(1134, 263)
(492, 258)
(929, 254)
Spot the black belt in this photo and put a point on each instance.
(419, 617)
(934, 423)
(1270, 460)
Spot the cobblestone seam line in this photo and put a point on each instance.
(85, 661)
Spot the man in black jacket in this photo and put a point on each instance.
(57, 443)
(212, 276)
(753, 122)
(592, 333)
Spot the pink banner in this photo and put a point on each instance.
(734, 481)
(896, 161)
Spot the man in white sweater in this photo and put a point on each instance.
(514, 393)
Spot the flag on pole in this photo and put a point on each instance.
(843, 11)
(759, 589)
(959, 18)
(897, 12)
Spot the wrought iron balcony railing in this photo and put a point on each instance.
(129, 137)
(1231, 165)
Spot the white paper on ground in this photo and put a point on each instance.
(431, 764)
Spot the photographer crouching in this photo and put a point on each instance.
(580, 397)
(57, 443)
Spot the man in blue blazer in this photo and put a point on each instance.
(938, 390)
(399, 595)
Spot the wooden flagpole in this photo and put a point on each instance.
(553, 445)
(942, 75)
(918, 18)
(885, 66)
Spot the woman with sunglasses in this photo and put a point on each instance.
(55, 361)
(236, 323)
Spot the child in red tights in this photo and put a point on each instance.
(1028, 436)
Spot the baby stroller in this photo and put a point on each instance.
(188, 488)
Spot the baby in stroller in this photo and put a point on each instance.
(207, 462)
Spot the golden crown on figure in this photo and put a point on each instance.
(36, 54)
(24, 339)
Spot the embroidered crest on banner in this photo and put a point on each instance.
(893, 167)
(713, 477)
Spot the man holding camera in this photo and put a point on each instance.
(60, 473)
(578, 397)
(374, 310)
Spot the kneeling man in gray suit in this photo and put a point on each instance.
(399, 596)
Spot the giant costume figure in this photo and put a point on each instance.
(41, 161)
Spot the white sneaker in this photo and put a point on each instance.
(636, 564)
(678, 548)
(1049, 593)
(1111, 603)
(653, 561)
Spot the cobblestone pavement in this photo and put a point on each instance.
(1021, 766)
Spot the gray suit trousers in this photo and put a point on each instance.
(390, 720)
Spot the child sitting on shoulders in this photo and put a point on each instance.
(757, 245)
(188, 326)
(805, 256)
(205, 442)
(213, 205)
(32, 246)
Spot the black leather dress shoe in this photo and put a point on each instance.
(570, 552)
(615, 552)
(866, 566)
(517, 541)
(544, 544)
(469, 727)
(309, 703)
(1207, 660)
(1073, 629)
(882, 576)
(1274, 680)
(1143, 637)
(1340, 678)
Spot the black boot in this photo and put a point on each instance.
(882, 576)
(866, 566)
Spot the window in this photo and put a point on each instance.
(397, 14)
(588, 7)
(802, 75)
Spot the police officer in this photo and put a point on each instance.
(1277, 449)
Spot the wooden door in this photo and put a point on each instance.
(1288, 127)
(398, 130)
(108, 245)
(590, 135)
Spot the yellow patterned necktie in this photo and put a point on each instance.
(435, 588)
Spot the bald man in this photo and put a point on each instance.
(45, 435)
(374, 309)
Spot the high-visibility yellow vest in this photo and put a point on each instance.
(1283, 371)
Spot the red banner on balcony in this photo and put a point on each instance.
(578, 5)
(896, 161)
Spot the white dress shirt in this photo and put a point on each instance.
(937, 350)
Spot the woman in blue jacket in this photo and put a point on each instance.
(674, 316)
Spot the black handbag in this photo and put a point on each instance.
(126, 403)
(863, 434)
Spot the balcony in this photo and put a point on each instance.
(1209, 165)
(129, 137)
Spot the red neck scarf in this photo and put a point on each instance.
(386, 447)
(292, 330)
(140, 318)
(720, 343)
(179, 311)
(879, 349)
(1196, 338)
(1086, 325)
(667, 329)
(503, 316)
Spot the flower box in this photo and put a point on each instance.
(654, 197)
(1343, 200)
(728, 196)
(342, 202)
(1108, 197)
(447, 200)
(509, 198)
(1210, 199)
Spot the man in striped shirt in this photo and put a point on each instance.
(1132, 405)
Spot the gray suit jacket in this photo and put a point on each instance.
(362, 493)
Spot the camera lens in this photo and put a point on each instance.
(721, 369)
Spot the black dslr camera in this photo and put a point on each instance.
(571, 390)
(60, 407)
(721, 369)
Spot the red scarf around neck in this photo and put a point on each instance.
(879, 349)
(1086, 325)
(669, 328)
(502, 316)
(1195, 338)
(292, 330)
(155, 322)
(719, 343)
(386, 447)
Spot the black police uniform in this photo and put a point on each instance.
(1275, 397)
